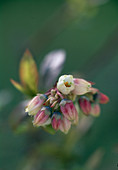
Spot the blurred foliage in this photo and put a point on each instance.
(5, 98)
(51, 67)
(88, 31)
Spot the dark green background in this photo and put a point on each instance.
(91, 43)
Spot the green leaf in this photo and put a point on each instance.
(22, 128)
(49, 129)
(18, 86)
(28, 72)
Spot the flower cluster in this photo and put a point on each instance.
(57, 106)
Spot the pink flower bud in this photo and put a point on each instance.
(35, 104)
(81, 86)
(103, 99)
(56, 120)
(42, 117)
(65, 125)
(93, 90)
(85, 105)
(95, 110)
(69, 111)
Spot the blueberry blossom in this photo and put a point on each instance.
(103, 99)
(65, 125)
(81, 86)
(35, 104)
(69, 111)
(65, 84)
(56, 120)
(42, 117)
(85, 105)
(95, 110)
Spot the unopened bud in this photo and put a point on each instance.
(35, 104)
(69, 111)
(85, 105)
(81, 86)
(56, 120)
(95, 110)
(103, 99)
(42, 117)
(65, 125)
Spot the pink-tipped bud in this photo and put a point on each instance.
(69, 111)
(94, 90)
(35, 104)
(81, 86)
(65, 125)
(56, 120)
(85, 105)
(95, 110)
(42, 117)
(103, 99)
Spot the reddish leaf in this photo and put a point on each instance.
(18, 86)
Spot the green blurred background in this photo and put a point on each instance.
(88, 31)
